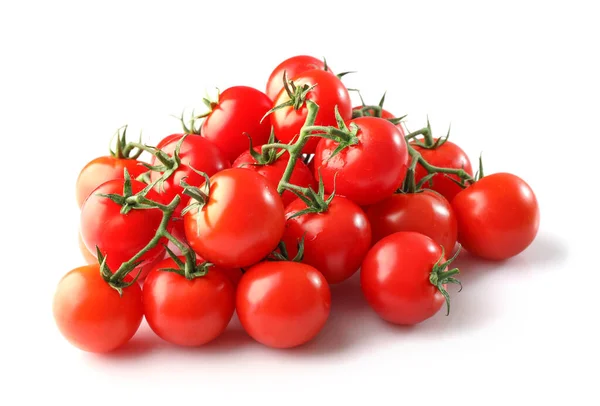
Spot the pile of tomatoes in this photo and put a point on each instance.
(267, 199)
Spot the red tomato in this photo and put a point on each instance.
(103, 169)
(293, 67)
(449, 155)
(369, 171)
(187, 312)
(395, 274)
(384, 114)
(426, 212)
(241, 223)
(196, 152)
(88, 257)
(238, 111)
(283, 304)
(91, 315)
(498, 216)
(329, 92)
(335, 241)
(302, 176)
(119, 236)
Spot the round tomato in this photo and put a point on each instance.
(328, 93)
(498, 216)
(395, 278)
(93, 316)
(103, 169)
(240, 224)
(335, 241)
(239, 111)
(301, 176)
(120, 236)
(426, 212)
(283, 304)
(384, 114)
(369, 171)
(448, 155)
(187, 312)
(293, 67)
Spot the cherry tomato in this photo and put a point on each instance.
(241, 223)
(384, 114)
(88, 257)
(302, 176)
(283, 304)
(91, 315)
(498, 216)
(335, 241)
(196, 154)
(187, 312)
(238, 111)
(119, 236)
(293, 67)
(448, 155)
(328, 93)
(426, 212)
(369, 171)
(395, 274)
(103, 169)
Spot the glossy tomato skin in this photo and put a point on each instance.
(241, 223)
(329, 92)
(426, 212)
(101, 170)
(369, 171)
(449, 155)
(293, 67)
(187, 312)
(301, 176)
(91, 315)
(283, 304)
(384, 114)
(335, 241)
(240, 110)
(119, 236)
(394, 278)
(498, 216)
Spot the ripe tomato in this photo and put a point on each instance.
(394, 278)
(448, 155)
(103, 169)
(119, 236)
(384, 114)
(241, 223)
(187, 312)
(238, 111)
(302, 176)
(335, 241)
(293, 67)
(426, 212)
(369, 171)
(196, 153)
(328, 93)
(91, 315)
(88, 257)
(498, 216)
(283, 304)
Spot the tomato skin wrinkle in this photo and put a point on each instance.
(395, 278)
(498, 216)
(188, 312)
(369, 171)
(426, 212)
(242, 222)
(91, 315)
(293, 67)
(335, 242)
(283, 304)
(240, 110)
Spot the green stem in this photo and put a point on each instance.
(190, 255)
(415, 134)
(461, 173)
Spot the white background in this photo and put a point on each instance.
(518, 81)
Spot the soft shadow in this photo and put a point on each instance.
(142, 344)
(234, 338)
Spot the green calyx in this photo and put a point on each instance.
(281, 253)
(345, 136)
(192, 126)
(315, 200)
(168, 164)
(128, 200)
(117, 284)
(121, 151)
(210, 104)
(267, 155)
(188, 269)
(440, 276)
(199, 196)
(297, 95)
(428, 140)
(373, 110)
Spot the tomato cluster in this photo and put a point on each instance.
(267, 202)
